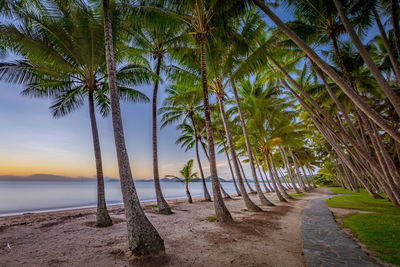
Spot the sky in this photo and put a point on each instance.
(32, 142)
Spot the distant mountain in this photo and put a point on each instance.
(60, 178)
(52, 178)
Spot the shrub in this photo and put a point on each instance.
(324, 180)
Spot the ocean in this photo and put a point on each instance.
(18, 197)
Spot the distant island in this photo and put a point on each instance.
(60, 178)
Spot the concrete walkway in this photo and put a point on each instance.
(325, 244)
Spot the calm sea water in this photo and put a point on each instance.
(21, 197)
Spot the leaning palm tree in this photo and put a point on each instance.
(142, 236)
(325, 67)
(78, 75)
(187, 175)
(220, 66)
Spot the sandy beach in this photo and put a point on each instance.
(69, 238)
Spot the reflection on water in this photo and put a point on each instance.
(19, 197)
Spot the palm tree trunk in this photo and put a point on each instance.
(262, 178)
(252, 191)
(395, 24)
(266, 178)
(248, 202)
(340, 153)
(337, 102)
(207, 196)
(189, 197)
(103, 219)
(278, 180)
(286, 183)
(332, 126)
(224, 193)
(296, 166)
(305, 176)
(357, 100)
(204, 149)
(288, 169)
(385, 40)
(163, 207)
(230, 168)
(278, 194)
(142, 236)
(221, 212)
(260, 194)
(312, 177)
(389, 92)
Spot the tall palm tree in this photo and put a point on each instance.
(182, 104)
(200, 17)
(268, 117)
(152, 37)
(78, 74)
(205, 18)
(142, 236)
(218, 85)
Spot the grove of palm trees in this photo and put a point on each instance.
(297, 100)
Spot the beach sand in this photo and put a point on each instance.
(69, 238)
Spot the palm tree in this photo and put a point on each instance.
(76, 75)
(153, 37)
(143, 237)
(267, 120)
(181, 104)
(206, 18)
(187, 175)
(357, 100)
(389, 92)
(200, 17)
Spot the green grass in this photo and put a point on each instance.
(211, 219)
(341, 190)
(379, 230)
(296, 195)
(363, 201)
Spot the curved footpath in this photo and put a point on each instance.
(325, 244)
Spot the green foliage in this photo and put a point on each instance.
(380, 230)
(324, 180)
(211, 219)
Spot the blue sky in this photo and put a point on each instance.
(31, 141)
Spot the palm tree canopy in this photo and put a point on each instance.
(64, 57)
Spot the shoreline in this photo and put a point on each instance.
(66, 204)
(10, 214)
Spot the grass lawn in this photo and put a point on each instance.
(380, 230)
(296, 195)
(340, 190)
